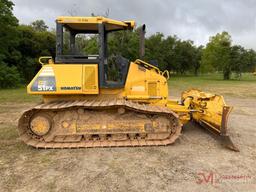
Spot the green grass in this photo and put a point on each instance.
(17, 95)
(245, 87)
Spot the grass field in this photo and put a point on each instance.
(172, 168)
(245, 87)
(17, 95)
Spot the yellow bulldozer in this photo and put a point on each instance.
(83, 107)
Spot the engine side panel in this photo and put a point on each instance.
(65, 79)
(145, 85)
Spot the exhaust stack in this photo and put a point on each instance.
(142, 41)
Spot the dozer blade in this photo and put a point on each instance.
(222, 132)
(225, 138)
(211, 112)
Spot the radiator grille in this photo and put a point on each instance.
(90, 78)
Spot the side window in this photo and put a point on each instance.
(116, 69)
(80, 44)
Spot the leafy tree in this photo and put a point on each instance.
(8, 33)
(237, 59)
(185, 56)
(172, 53)
(216, 55)
(91, 45)
(31, 45)
(154, 49)
(39, 25)
(125, 43)
(9, 76)
(250, 60)
(169, 45)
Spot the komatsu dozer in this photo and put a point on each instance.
(84, 106)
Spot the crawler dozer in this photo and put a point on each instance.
(82, 106)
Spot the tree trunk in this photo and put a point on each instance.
(196, 71)
(226, 74)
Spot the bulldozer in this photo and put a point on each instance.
(82, 106)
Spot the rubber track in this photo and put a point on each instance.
(23, 125)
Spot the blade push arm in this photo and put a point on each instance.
(211, 112)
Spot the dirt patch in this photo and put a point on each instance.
(196, 162)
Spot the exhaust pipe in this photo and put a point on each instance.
(142, 41)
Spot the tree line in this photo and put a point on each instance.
(22, 45)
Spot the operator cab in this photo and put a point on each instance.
(69, 31)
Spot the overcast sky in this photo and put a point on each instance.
(188, 19)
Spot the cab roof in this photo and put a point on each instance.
(91, 23)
